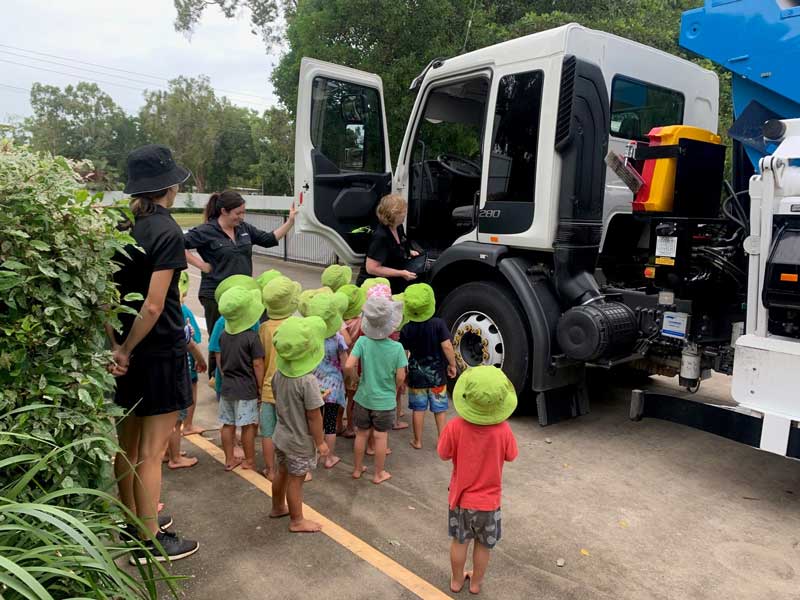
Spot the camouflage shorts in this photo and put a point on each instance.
(483, 526)
(296, 465)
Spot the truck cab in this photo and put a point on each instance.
(502, 165)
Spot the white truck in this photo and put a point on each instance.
(544, 260)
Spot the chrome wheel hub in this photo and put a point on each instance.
(477, 341)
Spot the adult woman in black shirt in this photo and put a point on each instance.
(149, 354)
(225, 244)
(389, 250)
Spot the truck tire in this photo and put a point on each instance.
(488, 328)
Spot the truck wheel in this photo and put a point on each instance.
(488, 329)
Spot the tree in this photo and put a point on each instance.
(234, 152)
(273, 138)
(82, 122)
(187, 118)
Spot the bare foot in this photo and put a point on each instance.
(381, 477)
(165, 458)
(416, 444)
(192, 430)
(331, 461)
(348, 433)
(277, 513)
(184, 462)
(248, 464)
(268, 475)
(474, 588)
(400, 425)
(371, 451)
(357, 473)
(402, 413)
(232, 465)
(304, 526)
(456, 585)
(238, 453)
(309, 477)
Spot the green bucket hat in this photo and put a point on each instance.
(329, 307)
(419, 302)
(335, 276)
(300, 345)
(233, 281)
(484, 396)
(307, 295)
(280, 297)
(183, 283)
(267, 276)
(241, 308)
(400, 298)
(368, 283)
(355, 300)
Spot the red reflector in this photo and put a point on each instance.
(650, 272)
(301, 199)
(790, 277)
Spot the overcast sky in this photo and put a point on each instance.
(126, 35)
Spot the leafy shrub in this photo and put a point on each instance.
(56, 267)
(58, 524)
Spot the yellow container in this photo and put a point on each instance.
(658, 192)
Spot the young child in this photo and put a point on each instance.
(300, 346)
(280, 298)
(356, 297)
(335, 276)
(383, 289)
(383, 363)
(189, 427)
(329, 307)
(242, 366)
(478, 442)
(431, 358)
(217, 328)
(174, 457)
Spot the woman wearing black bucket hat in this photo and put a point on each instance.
(225, 243)
(149, 353)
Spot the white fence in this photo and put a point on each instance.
(198, 201)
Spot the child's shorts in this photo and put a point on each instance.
(379, 420)
(296, 465)
(424, 398)
(238, 412)
(483, 526)
(268, 419)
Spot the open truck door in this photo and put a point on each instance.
(342, 166)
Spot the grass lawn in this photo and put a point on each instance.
(187, 220)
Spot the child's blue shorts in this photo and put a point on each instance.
(434, 399)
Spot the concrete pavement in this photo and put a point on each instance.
(647, 510)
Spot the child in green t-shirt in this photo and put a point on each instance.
(383, 363)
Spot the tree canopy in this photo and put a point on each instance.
(222, 144)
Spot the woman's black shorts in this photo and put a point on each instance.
(155, 384)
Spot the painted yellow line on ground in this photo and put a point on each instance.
(338, 534)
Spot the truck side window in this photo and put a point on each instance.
(637, 107)
(346, 125)
(512, 165)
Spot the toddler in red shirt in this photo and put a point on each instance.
(478, 442)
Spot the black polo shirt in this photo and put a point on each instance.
(161, 240)
(385, 250)
(226, 256)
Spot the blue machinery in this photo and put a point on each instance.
(759, 42)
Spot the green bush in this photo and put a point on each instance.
(56, 418)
